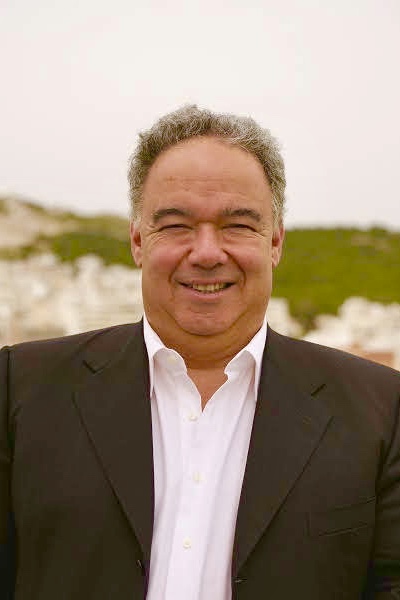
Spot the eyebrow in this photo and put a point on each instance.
(166, 212)
(227, 212)
(242, 212)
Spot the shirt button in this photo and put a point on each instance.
(193, 417)
(197, 477)
(187, 544)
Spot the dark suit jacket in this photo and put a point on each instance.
(319, 516)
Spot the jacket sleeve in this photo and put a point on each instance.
(384, 576)
(7, 528)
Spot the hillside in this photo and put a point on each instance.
(27, 228)
(319, 270)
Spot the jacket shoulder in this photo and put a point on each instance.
(44, 355)
(308, 357)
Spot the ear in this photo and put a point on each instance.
(136, 243)
(277, 244)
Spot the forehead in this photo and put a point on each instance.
(204, 166)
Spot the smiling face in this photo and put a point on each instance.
(206, 246)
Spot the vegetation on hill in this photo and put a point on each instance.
(111, 249)
(320, 268)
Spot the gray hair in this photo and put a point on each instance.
(191, 121)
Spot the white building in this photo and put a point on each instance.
(42, 297)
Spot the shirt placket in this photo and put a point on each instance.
(183, 562)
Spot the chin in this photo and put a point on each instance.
(207, 328)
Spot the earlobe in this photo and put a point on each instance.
(136, 244)
(277, 244)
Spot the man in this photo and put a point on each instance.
(199, 455)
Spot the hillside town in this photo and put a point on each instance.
(41, 297)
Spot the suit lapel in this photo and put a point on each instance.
(288, 426)
(113, 401)
(114, 405)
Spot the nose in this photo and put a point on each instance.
(206, 250)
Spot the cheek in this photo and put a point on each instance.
(161, 258)
(253, 259)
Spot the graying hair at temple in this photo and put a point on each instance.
(191, 121)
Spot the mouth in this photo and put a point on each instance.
(208, 288)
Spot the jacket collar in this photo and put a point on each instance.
(289, 424)
(113, 401)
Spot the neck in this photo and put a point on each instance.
(206, 351)
(202, 353)
(206, 356)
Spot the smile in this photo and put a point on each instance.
(208, 288)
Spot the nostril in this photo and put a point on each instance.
(207, 254)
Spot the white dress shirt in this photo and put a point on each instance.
(199, 462)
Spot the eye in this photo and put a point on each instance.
(173, 226)
(239, 226)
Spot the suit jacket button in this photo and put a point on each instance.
(141, 566)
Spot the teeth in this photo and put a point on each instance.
(209, 287)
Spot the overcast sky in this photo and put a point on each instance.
(80, 79)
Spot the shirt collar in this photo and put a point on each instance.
(255, 348)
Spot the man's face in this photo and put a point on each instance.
(206, 244)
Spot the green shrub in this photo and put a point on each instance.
(71, 245)
(320, 268)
